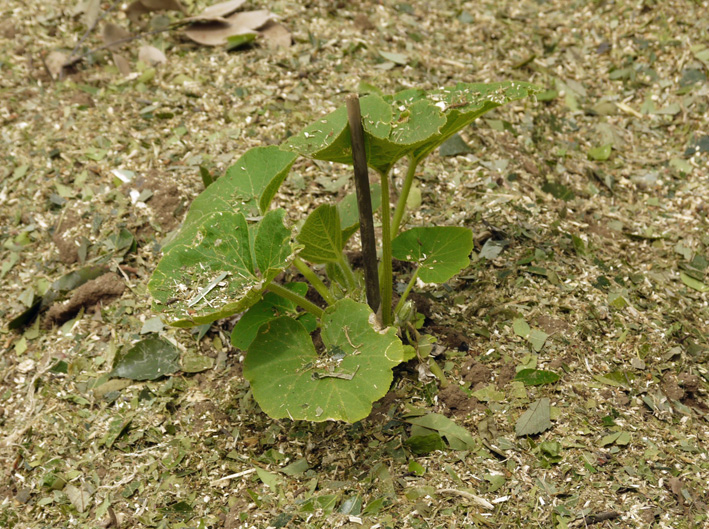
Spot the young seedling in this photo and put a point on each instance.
(232, 245)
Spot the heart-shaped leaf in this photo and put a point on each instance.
(441, 252)
(247, 187)
(321, 236)
(290, 379)
(219, 271)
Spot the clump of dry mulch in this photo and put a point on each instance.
(102, 289)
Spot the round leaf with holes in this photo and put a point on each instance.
(291, 380)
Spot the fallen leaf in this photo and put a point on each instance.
(142, 7)
(163, 5)
(276, 35)
(151, 56)
(122, 64)
(112, 34)
(148, 359)
(91, 11)
(218, 33)
(535, 420)
(55, 62)
(217, 12)
(79, 498)
(135, 10)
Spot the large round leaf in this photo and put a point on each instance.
(290, 379)
(441, 252)
(222, 269)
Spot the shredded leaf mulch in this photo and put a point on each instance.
(575, 347)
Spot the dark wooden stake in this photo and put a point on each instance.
(364, 203)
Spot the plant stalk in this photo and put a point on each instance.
(387, 279)
(406, 293)
(314, 280)
(297, 299)
(438, 372)
(403, 196)
(364, 203)
(348, 273)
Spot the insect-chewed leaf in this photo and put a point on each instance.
(441, 252)
(326, 139)
(217, 272)
(411, 122)
(464, 103)
(247, 187)
(290, 380)
(393, 129)
(321, 236)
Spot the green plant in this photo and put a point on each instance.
(232, 246)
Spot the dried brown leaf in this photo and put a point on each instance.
(55, 62)
(122, 64)
(276, 35)
(217, 12)
(113, 33)
(163, 5)
(135, 10)
(217, 33)
(91, 10)
(7, 29)
(151, 56)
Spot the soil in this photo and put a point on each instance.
(599, 190)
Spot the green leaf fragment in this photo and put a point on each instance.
(536, 377)
(458, 437)
(537, 338)
(290, 380)
(425, 444)
(535, 420)
(521, 327)
(693, 283)
(440, 252)
(600, 154)
(148, 359)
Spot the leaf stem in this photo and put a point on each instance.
(403, 297)
(438, 372)
(296, 298)
(314, 280)
(403, 196)
(386, 278)
(347, 272)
